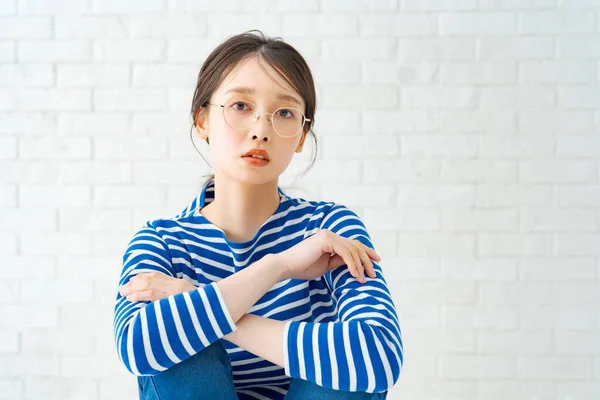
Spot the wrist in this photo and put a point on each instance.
(276, 266)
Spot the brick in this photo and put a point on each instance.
(517, 146)
(430, 341)
(36, 7)
(406, 170)
(515, 388)
(356, 48)
(91, 27)
(129, 99)
(164, 75)
(409, 220)
(506, 244)
(55, 243)
(71, 50)
(57, 342)
(478, 121)
(359, 5)
(174, 172)
(336, 72)
(475, 366)
(438, 5)
(128, 6)
(26, 75)
(95, 172)
(320, 25)
(520, 97)
(497, 72)
(25, 27)
(388, 121)
(557, 171)
(434, 195)
(557, 269)
(478, 170)
(128, 196)
(27, 123)
(27, 171)
(92, 75)
(579, 146)
(94, 123)
(436, 48)
(555, 22)
(220, 25)
(513, 47)
(464, 220)
(26, 219)
(578, 96)
(134, 50)
(171, 26)
(578, 47)
(405, 24)
(553, 367)
(552, 72)
(55, 148)
(558, 220)
(8, 195)
(431, 243)
(439, 145)
(497, 269)
(576, 195)
(359, 96)
(54, 196)
(8, 148)
(556, 121)
(8, 51)
(55, 99)
(477, 23)
(439, 97)
(478, 317)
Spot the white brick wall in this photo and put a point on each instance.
(473, 124)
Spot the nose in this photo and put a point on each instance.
(259, 130)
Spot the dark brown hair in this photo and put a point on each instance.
(285, 59)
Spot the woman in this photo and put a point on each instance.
(249, 292)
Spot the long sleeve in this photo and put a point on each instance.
(150, 337)
(363, 349)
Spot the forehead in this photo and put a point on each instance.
(250, 74)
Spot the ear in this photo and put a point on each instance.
(301, 144)
(202, 122)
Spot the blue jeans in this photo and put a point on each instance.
(208, 375)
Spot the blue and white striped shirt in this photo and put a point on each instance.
(340, 333)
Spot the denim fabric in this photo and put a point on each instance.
(208, 375)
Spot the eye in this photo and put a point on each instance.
(285, 113)
(239, 106)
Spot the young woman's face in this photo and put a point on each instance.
(249, 84)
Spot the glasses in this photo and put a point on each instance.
(241, 114)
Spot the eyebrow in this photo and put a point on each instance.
(280, 96)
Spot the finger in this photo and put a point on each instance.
(342, 249)
(368, 264)
(368, 252)
(372, 254)
(356, 260)
(359, 263)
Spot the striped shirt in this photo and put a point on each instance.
(339, 333)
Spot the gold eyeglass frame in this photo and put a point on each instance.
(257, 117)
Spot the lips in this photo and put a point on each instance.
(257, 152)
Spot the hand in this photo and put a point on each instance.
(311, 258)
(151, 286)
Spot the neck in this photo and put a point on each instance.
(239, 209)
